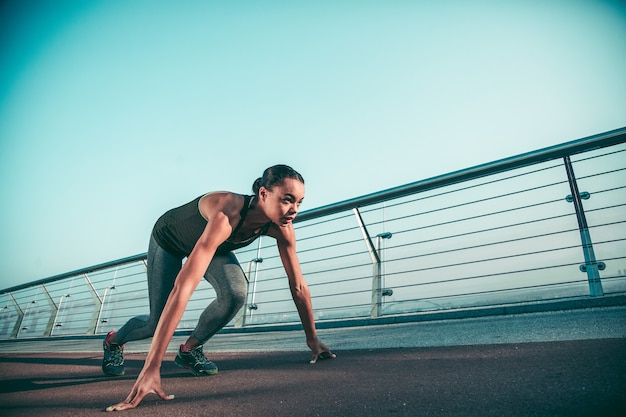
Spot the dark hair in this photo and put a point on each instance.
(274, 176)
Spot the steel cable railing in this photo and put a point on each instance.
(497, 234)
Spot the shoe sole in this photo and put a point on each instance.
(108, 373)
(193, 371)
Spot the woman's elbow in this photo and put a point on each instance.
(300, 292)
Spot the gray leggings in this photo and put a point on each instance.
(224, 274)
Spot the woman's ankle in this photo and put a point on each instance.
(191, 343)
(112, 338)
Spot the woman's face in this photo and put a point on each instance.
(282, 202)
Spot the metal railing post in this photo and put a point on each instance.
(384, 292)
(377, 297)
(99, 319)
(25, 310)
(56, 316)
(93, 325)
(240, 320)
(53, 311)
(591, 266)
(377, 276)
(20, 317)
(256, 261)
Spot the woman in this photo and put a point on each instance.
(206, 231)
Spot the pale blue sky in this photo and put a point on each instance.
(112, 112)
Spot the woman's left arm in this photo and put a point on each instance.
(286, 242)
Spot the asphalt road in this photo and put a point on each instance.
(568, 363)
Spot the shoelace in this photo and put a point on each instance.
(115, 357)
(199, 356)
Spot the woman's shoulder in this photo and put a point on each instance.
(226, 202)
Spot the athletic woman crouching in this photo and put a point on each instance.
(206, 231)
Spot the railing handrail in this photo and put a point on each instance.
(586, 144)
(87, 270)
(589, 143)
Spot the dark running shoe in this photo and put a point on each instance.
(195, 360)
(113, 362)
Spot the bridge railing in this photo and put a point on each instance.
(545, 225)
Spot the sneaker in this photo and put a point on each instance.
(195, 360)
(113, 362)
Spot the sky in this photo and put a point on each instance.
(112, 112)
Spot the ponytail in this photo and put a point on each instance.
(256, 186)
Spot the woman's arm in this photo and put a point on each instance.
(149, 381)
(286, 242)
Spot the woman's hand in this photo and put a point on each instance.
(148, 382)
(320, 350)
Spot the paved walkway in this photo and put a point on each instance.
(570, 363)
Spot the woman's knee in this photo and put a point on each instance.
(236, 298)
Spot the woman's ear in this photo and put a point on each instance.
(263, 193)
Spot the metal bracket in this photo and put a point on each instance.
(601, 266)
(584, 196)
